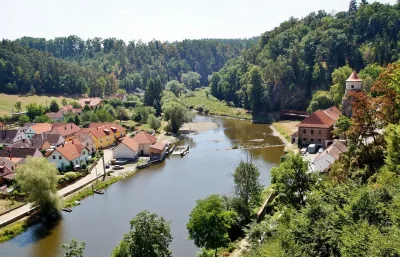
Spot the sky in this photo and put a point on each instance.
(166, 20)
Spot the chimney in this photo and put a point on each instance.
(10, 155)
(65, 127)
(73, 142)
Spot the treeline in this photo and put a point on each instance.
(297, 58)
(135, 63)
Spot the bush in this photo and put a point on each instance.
(189, 94)
(197, 89)
(71, 176)
(84, 166)
(154, 122)
(206, 110)
(199, 108)
(190, 107)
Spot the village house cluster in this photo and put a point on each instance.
(69, 146)
(315, 132)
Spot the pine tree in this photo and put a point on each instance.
(353, 6)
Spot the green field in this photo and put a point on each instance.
(7, 101)
(215, 106)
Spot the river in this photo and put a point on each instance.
(169, 189)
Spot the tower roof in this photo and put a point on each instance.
(354, 77)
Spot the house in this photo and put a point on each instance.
(54, 138)
(86, 140)
(317, 128)
(11, 136)
(70, 109)
(158, 151)
(126, 149)
(38, 128)
(68, 156)
(12, 152)
(6, 175)
(145, 140)
(65, 129)
(91, 102)
(119, 96)
(9, 166)
(40, 144)
(331, 154)
(55, 116)
(104, 134)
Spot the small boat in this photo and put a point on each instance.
(77, 203)
(100, 192)
(66, 209)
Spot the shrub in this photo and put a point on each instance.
(206, 110)
(197, 89)
(190, 107)
(84, 166)
(71, 176)
(189, 94)
(199, 108)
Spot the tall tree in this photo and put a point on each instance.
(54, 107)
(18, 106)
(74, 248)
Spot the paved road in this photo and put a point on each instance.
(96, 171)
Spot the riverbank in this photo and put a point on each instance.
(284, 130)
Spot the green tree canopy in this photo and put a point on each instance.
(74, 248)
(54, 107)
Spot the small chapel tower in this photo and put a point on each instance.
(353, 83)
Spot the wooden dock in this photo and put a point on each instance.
(181, 150)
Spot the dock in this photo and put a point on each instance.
(181, 150)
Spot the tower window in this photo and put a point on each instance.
(352, 86)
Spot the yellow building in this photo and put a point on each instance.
(104, 134)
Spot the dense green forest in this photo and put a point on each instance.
(293, 61)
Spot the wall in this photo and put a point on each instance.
(122, 151)
(323, 163)
(145, 148)
(315, 138)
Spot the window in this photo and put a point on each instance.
(101, 141)
(312, 132)
(76, 161)
(84, 152)
(312, 139)
(12, 167)
(305, 139)
(352, 86)
(59, 157)
(319, 140)
(304, 131)
(54, 157)
(319, 132)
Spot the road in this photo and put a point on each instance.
(96, 171)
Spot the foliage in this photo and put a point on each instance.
(38, 178)
(18, 106)
(175, 87)
(54, 107)
(342, 125)
(34, 110)
(152, 96)
(154, 122)
(42, 119)
(149, 236)
(74, 248)
(142, 113)
(22, 119)
(121, 113)
(209, 223)
(320, 100)
(191, 80)
(175, 112)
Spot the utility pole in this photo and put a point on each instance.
(104, 165)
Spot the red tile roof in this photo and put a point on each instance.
(130, 143)
(159, 146)
(318, 119)
(333, 112)
(102, 129)
(70, 150)
(143, 137)
(334, 150)
(40, 128)
(65, 129)
(92, 102)
(354, 77)
(54, 115)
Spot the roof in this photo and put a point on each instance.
(33, 143)
(67, 108)
(354, 77)
(54, 115)
(41, 127)
(333, 112)
(118, 95)
(19, 152)
(159, 146)
(69, 150)
(318, 119)
(7, 136)
(52, 137)
(77, 110)
(92, 102)
(65, 129)
(143, 137)
(103, 129)
(334, 150)
(130, 143)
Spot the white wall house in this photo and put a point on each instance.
(325, 159)
(323, 162)
(38, 128)
(127, 149)
(67, 155)
(144, 140)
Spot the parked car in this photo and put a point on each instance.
(117, 167)
(321, 150)
(121, 161)
(303, 150)
(107, 166)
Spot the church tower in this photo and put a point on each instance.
(353, 84)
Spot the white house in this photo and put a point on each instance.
(68, 154)
(38, 128)
(10, 136)
(323, 160)
(127, 149)
(145, 140)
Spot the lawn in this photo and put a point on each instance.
(215, 106)
(7, 101)
(6, 205)
(286, 128)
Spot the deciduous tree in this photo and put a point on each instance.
(74, 248)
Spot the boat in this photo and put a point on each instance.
(181, 150)
(66, 209)
(77, 202)
(100, 192)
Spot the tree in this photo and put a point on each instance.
(34, 110)
(175, 87)
(74, 248)
(293, 180)
(247, 186)
(343, 125)
(18, 106)
(209, 223)
(37, 177)
(23, 119)
(320, 100)
(154, 122)
(176, 114)
(191, 80)
(54, 106)
(64, 102)
(42, 119)
(256, 89)
(77, 120)
(152, 95)
(353, 6)
(121, 113)
(149, 236)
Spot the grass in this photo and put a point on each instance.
(70, 201)
(12, 230)
(6, 205)
(286, 128)
(215, 106)
(7, 101)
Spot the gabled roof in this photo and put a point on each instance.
(334, 150)
(143, 137)
(67, 108)
(354, 77)
(333, 112)
(131, 144)
(100, 130)
(92, 102)
(318, 119)
(19, 152)
(69, 150)
(7, 136)
(33, 143)
(65, 129)
(159, 146)
(54, 115)
(41, 127)
(52, 137)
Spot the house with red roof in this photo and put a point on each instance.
(317, 128)
(331, 154)
(65, 129)
(55, 116)
(91, 102)
(126, 149)
(70, 154)
(104, 134)
(38, 128)
(158, 151)
(145, 141)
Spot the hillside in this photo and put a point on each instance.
(296, 59)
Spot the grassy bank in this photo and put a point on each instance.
(10, 231)
(286, 128)
(7, 101)
(215, 106)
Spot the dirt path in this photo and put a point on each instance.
(243, 244)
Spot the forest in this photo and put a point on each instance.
(295, 60)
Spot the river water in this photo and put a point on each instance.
(169, 189)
